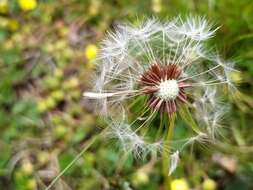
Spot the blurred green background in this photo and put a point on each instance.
(46, 53)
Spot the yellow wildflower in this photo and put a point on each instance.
(209, 184)
(31, 184)
(94, 7)
(140, 178)
(4, 6)
(156, 6)
(91, 52)
(27, 168)
(236, 77)
(179, 184)
(27, 5)
(13, 25)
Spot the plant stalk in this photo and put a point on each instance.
(166, 155)
(86, 147)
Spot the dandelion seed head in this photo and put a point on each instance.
(161, 67)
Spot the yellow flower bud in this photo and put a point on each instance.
(58, 95)
(156, 6)
(179, 184)
(50, 102)
(94, 7)
(42, 106)
(236, 77)
(13, 25)
(209, 184)
(91, 52)
(43, 157)
(58, 73)
(31, 184)
(140, 178)
(60, 131)
(3, 22)
(27, 168)
(27, 5)
(71, 83)
(4, 6)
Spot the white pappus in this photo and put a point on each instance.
(160, 66)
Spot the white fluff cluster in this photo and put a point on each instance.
(132, 142)
(209, 112)
(130, 50)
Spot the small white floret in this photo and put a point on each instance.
(168, 90)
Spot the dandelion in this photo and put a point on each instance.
(209, 184)
(31, 184)
(13, 25)
(179, 184)
(4, 7)
(157, 6)
(161, 69)
(27, 5)
(91, 52)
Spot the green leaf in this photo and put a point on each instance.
(5, 156)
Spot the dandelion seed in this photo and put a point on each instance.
(174, 161)
(132, 142)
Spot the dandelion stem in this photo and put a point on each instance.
(166, 155)
(87, 146)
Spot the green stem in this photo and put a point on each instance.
(166, 155)
(187, 117)
(87, 146)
